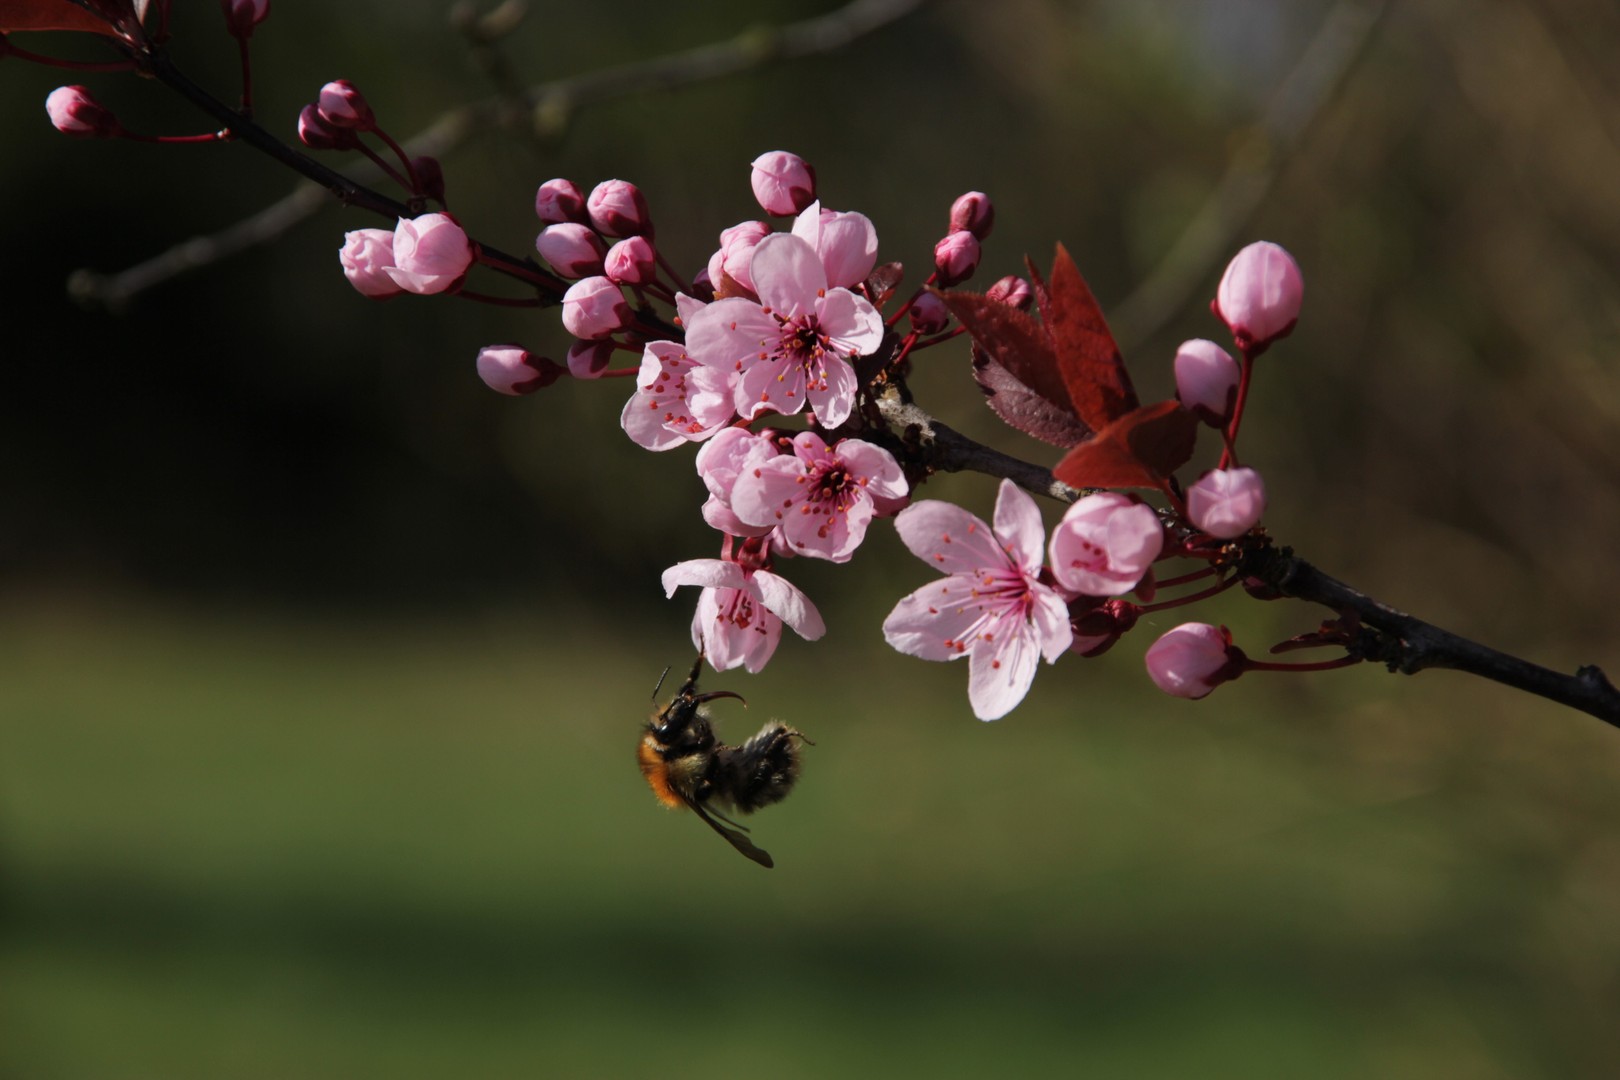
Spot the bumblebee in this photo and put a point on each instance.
(685, 764)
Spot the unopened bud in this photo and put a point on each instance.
(365, 255)
(558, 201)
(631, 261)
(594, 308)
(1193, 659)
(783, 183)
(974, 213)
(512, 369)
(574, 251)
(316, 133)
(431, 254)
(1259, 296)
(241, 16)
(929, 315)
(955, 258)
(617, 208)
(429, 177)
(74, 112)
(588, 359)
(342, 105)
(1013, 291)
(1206, 380)
(1226, 503)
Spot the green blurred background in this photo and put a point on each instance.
(322, 664)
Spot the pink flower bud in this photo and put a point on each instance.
(241, 16)
(343, 106)
(974, 213)
(594, 308)
(316, 133)
(1104, 544)
(1259, 296)
(736, 255)
(588, 359)
(558, 201)
(617, 208)
(431, 254)
(1206, 380)
(74, 112)
(955, 258)
(1193, 659)
(929, 314)
(365, 255)
(1226, 503)
(572, 250)
(783, 183)
(1013, 291)
(512, 369)
(429, 177)
(631, 261)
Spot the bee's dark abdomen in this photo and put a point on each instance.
(759, 772)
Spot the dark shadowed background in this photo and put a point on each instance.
(322, 663)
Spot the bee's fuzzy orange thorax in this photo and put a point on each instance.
(656, 770)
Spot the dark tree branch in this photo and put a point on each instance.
(1404, 643)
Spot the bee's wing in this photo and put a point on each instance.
(734, 838)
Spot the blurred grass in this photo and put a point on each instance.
(245, 847)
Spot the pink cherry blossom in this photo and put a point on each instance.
(822, 497)
(732, 453)
(1193, 659)
(594, 308)
(844, 241)
(431, 254)
(1104, 544)
(1259, 295)
(631, 261)
(365, 255)
(676, 400)
(796, 343)
(618, 208)
(1227, 503)
(783, 183)
(741, 611)
(991, 608)
(1206, 380)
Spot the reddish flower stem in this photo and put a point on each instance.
(1191, 598)
(1229, 436)
(1315, 665)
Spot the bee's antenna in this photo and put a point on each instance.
(660, 685)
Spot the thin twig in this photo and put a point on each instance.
(551, 103)
(1299, 100)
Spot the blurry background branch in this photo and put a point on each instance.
(1211, 235)
(551, 106)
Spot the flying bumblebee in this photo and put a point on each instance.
(687, 765)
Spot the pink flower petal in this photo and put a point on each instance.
(1001, 670)
(936, 622)
(709, 573)
(949, 538)
(787, 275)
(1019, 527)
(783, 599)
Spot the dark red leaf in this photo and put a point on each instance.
(1023, 408)
(1087, 356)
(1140, 449)
(48, 15)
(1014, 340)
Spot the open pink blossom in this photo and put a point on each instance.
(676, 400)
(1193, 659)
(821, 496)
(845, 241)
(732, 453)
(991, 608)
(431, 254)
(1104, 544)
(1227, 503)
(1259, 295)
(740, 612)
(796, 343)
